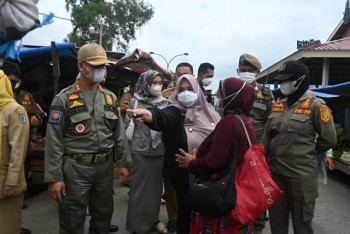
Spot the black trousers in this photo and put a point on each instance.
(184, 210)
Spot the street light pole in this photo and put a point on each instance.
(166, 61)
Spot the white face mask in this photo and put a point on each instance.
(96, 75)
(155, 90)
(187, 98)
(289, 87)
(248, 77)
(206, 81)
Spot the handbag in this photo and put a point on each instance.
(215, 197)
(131, 127)
(256, 190)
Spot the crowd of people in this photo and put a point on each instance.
(178, 133)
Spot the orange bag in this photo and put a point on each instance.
(256, 190)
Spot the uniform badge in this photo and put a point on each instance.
(22, 118)
(73, 96)
(259, 94)
(325, 115)
(278, 107)
(303, 111)
(77, 87)
(55, 116)
(109, 99)
(306, 103)
(76, 104)
(80, 128)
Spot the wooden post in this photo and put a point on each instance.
(55, 67)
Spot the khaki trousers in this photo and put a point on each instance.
(11, 214)
(298, 200)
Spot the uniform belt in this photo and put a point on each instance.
(90, 158)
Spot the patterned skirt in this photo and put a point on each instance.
(202, 224)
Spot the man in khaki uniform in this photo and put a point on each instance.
(14, 134)
(85, 139)
(248, 68)
(292, 148)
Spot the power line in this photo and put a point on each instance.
(56, 17)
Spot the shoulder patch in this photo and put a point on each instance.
(22, 117)
(325, 115)
(55, 115)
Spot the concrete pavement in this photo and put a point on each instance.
(332, 213)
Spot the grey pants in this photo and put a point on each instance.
(90, 185)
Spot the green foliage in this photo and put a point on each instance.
(120, 19)
(343, 144)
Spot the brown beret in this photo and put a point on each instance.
(249, 60)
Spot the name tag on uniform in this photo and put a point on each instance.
(278, 107)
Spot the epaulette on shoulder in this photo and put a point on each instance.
(320, 100)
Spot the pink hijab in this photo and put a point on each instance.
(200, 119)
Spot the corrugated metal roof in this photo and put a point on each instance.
(341, 44)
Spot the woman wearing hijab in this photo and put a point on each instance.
(236, 97)
(147, 152)
(14, 135)
(185, 123)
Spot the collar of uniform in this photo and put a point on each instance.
(303, 97)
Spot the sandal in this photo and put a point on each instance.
(160, 227)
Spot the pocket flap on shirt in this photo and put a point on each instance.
(80, 117)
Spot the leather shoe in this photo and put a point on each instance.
(113, 228)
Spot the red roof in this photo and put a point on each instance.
(341, 44)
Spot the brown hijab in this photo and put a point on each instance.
(200, 118)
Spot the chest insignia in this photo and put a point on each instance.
(109, 100)
(306, 103)
(278, 107)
(259, 94)
(73, 96)
(303, 111)
(76, 104)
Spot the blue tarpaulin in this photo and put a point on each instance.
(63, 50)
(342, 89)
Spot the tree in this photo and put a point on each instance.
(120, 19)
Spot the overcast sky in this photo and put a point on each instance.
(217, 31)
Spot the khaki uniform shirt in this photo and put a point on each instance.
(166, 93)
(14, 141)
(79, 125)
(290, 136)
(125, 102)
(261, 110)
